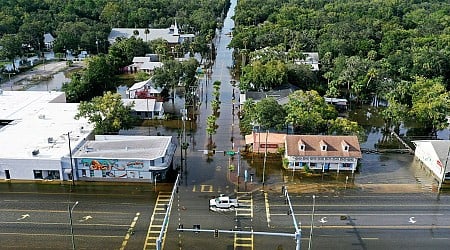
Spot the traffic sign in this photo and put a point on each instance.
(230, 152)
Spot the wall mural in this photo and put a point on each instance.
(114, 168)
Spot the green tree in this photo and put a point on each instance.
(270, 114)
(94, 80)
(343, 126)
(308, 112)
(247, 117)
(11, 47)
(107, 113)
(430, 103)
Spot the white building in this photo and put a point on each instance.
(34, 134)
(322, 152)
(130, 158)
(171, 34)
(434, 155)
(143, 89)
(39, 136)
(146, 108)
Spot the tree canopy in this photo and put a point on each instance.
(107, 113)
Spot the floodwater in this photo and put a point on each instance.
(374, 168)
(53, 84)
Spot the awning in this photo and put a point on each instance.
(67, 171)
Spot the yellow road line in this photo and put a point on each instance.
(129, 232)
(266, 200)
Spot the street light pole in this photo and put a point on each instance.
(70, 209)
(312, 222)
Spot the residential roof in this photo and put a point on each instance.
(39, 120)
(125, 147)
(140, 85)
(272, 138)
(144, 105)
(313, 145)
(280, 94)
(150, 65)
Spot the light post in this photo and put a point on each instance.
(312, 222)
(70, 209)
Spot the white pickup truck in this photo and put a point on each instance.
(223, 202)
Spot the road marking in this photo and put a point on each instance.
(24, 216)
(65, 235)
(266, 201)
(85, 218)
(130, 231)
(339, 214)
(411, 220)
(323, 220)
(55, 211)
(370, 238)
(206, 188)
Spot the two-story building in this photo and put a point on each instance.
(322, 152)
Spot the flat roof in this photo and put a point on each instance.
(40, 122)
(125, 147)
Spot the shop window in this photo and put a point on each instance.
(37, 174)
(152, 162)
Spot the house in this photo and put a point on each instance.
(311, 58)
(143, 90)
(322, 152)
(280, 94)
(49, 40)
(259, 142)
(124, 158)
(145, 64)
(146, 108)
(171, 34)
(339, 103)
(434, 154)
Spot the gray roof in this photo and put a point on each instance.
(125, 147)
(442, 148)
(171, 35)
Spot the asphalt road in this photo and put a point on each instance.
(353, 221)
(36, 216)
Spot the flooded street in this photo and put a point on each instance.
(374, 168)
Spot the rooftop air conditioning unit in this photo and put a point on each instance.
(35, 152)
(50, 140)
